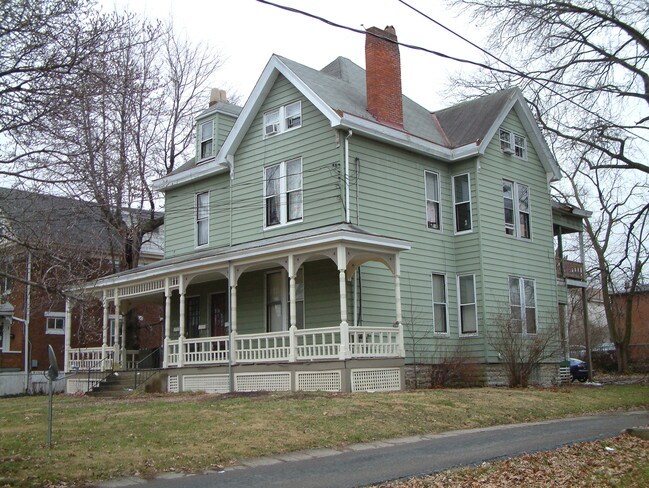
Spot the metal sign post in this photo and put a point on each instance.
(51, 374)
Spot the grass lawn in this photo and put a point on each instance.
(101, 439)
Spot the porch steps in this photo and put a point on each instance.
(116, 385)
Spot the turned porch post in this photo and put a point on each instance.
(165, 342)
(181, 321)
(104, 331)
(232, 279)
(292, 354)
(68, 333)
(117, 359)
(344, 352)
(397, 301)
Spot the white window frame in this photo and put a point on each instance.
(284, 299)
(523, 303)
(200, 221)
(279, 120)
(112, 332)
(514, 229)
(445, 303)
(464, 202)
(5, 332)
(513, 143)
(203, 141)
(460, 304)
(283, 194)
(54, 316)
(432, 200)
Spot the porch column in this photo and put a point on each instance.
(68, 334)
(232, 279)
(181, 322)
(292, 354)
(104, 331)
(397, 301)
(116, 345)
(165, 344)
(342, 285)
(121, 319)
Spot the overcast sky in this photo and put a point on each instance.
(247, 33)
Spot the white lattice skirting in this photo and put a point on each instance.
(262, 382)
(76, 386)
(209, 383)
(172, 384)
(386, 379)
(318, 381)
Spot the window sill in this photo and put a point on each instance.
(464, 232)
(200, 162)
(275, 134)
(55, 332)
(280, 226)
(10, 352)
(469, 334)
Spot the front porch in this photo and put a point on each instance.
(278, 304)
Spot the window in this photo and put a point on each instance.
(283, 193)
(206, 138)
(274, 302)
(112, 320)
(462, 199)
(202, 218)
(440, 319)
(516, 201)
(512, 143)
(522, 300)
(5, 335)
(468, 312)
(55, 323)
(432, 200)
(283, 119)
(192, 316)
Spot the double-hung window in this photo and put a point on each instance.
(206, 133)
(468, 310)
(440, 308)
(202, 218)
(55, 323)
(282, 119)
(522, 301)
(432, 200)
(462, 202)
(283, 193)
(516, 201)
(512, 143)
(5, 336)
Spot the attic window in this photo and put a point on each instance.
(512, 143)
(282, 119)
(206, 137)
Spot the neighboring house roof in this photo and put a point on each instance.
(46, 222)
(339, 92)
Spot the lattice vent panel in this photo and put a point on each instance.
(385, 379)
(263, 382)
(318, 381)
(209, 383)
(172, 384)
(76, 386)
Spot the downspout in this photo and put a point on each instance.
(26, 322)
(348, 217)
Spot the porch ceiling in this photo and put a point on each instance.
(316, 243)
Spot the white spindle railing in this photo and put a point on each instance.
(365, 342)
(323, 343)
(90, 358)
(271, 347)
(212, 350)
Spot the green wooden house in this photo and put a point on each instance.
(332, 232)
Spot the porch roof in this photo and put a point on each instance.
(263, 248)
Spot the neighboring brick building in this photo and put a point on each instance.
(639, 344)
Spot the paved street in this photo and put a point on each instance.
(363, 464)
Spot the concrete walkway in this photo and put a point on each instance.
(374, 462)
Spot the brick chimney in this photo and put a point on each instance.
(383, 76)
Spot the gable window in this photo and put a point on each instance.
(55, 323)
(462, 200)
(283, 193)
(206, 137)
(512, 143)
(432, 200)
(440, 309)
(468, 310)
(522, 301)
(282, 119)
(516, 201)
(202, 218)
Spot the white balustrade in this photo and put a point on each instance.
(367, 342)
(90, 358)
(271, 347)
(323, 343)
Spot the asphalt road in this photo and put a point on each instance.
(363, 464)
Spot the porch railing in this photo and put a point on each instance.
(90, 359)
(571, 269)
(365, 342)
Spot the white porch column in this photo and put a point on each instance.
(104, 331)
(292, 354)
(68, 334)
(122, 320)
(117, 360)
(344, 325)
(397, 301)
(232, 280)
(181, 321)
(165, 343)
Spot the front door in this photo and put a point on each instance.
(219, 314)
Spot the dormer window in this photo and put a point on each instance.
(512, 143)
(206, 133)
(283, 119)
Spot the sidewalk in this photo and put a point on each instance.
(374, 462)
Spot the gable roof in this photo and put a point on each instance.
(338, 92)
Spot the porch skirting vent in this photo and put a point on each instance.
(263, 382)
(209, 383)
(387, 379)
(172, 384)
(318, 381)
